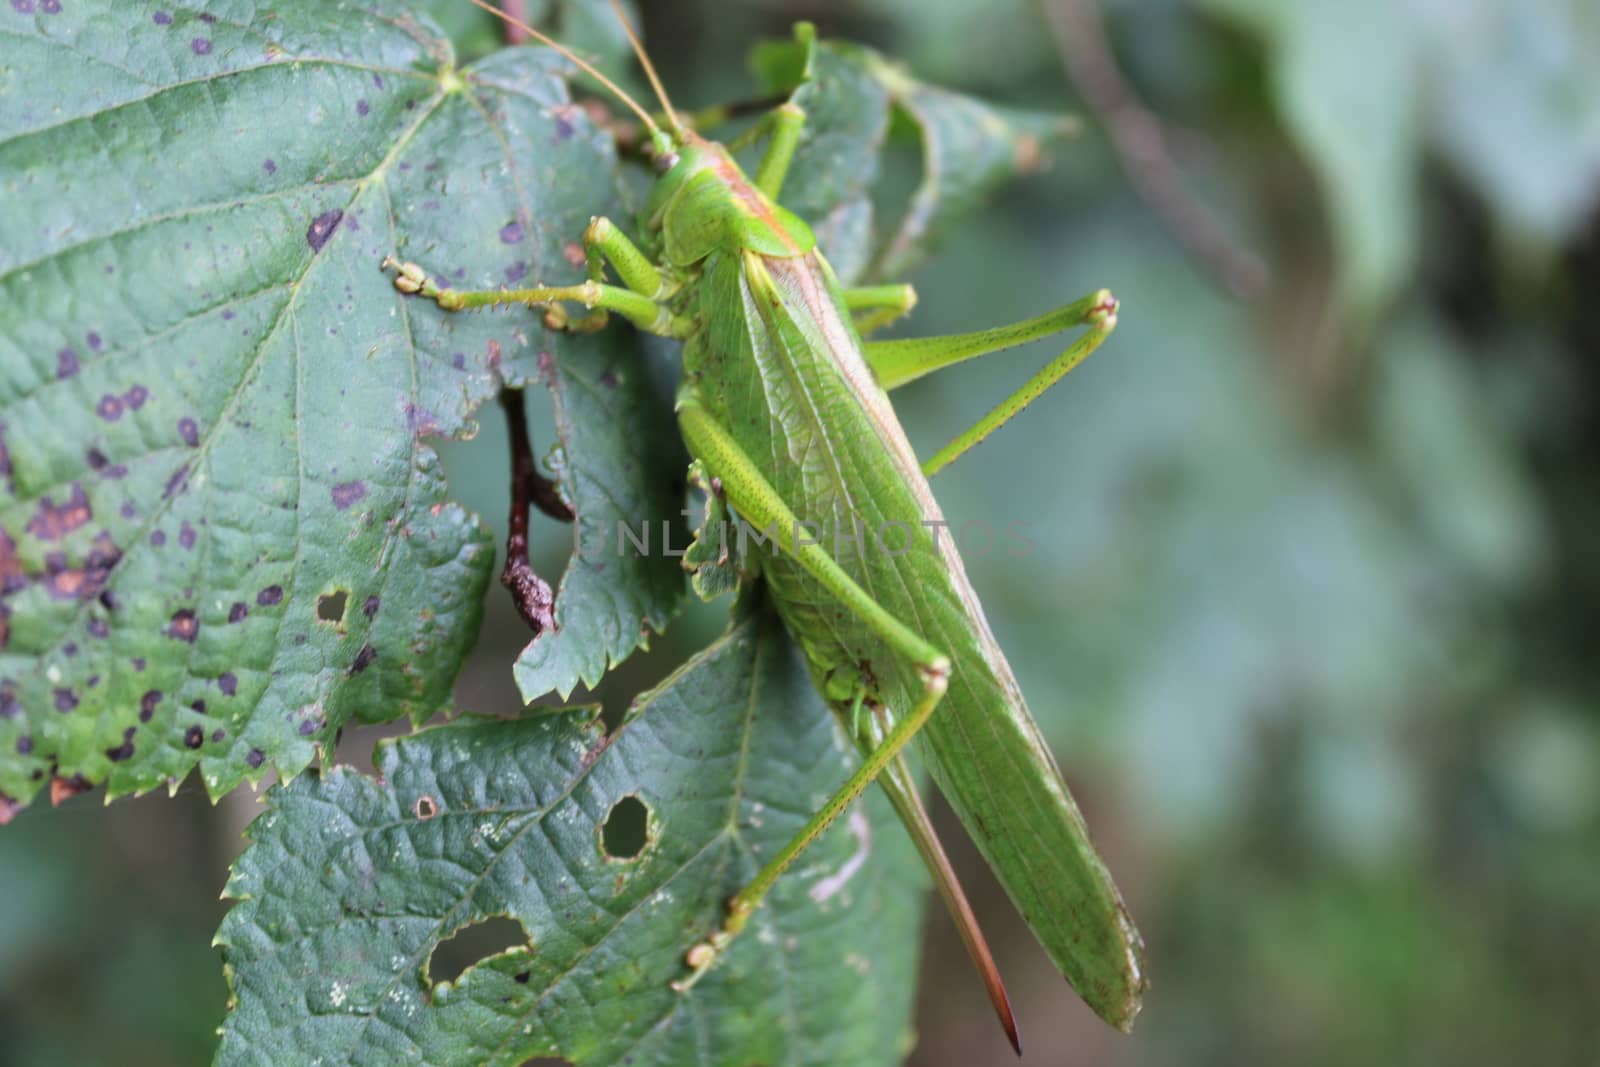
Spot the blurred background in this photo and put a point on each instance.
(1311, 613)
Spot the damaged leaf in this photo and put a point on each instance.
(350, 884)
(223, 532)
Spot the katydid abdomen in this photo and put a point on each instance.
(779, 365)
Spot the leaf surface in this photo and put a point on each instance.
(350, 884)
(855, 100)
(223, 533)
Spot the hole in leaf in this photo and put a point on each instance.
(626, 829)
(472, 945)
(330, 606)
(425, 808)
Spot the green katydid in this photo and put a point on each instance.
(786, 413)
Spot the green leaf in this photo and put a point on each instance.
(351, 883)
(1506, 90)
(854, 100)
(1359, 124)
(620, 465)
(223, 534)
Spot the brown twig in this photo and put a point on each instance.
(1141, 148)
(532, 594)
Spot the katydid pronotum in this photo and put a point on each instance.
(786, 413)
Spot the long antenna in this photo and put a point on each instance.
(583, 65)
(649, 67)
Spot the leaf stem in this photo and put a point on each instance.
(532, 594)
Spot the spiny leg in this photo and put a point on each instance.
(875, 306)
(638, 309)
(898, 362)
(758, 502)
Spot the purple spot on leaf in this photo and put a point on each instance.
(272, 594)
(66, 363)
(255, 758)
(362, 108)
(22, 7)
(194, 737)
(238, 612)
(162, 18)
(110, 407)
(201, 46)
(184, 626)
(516, 272)
(347, 493)
(94, 341)
(270, 167)
(189, 431)
(136, 397)
(511, 233)
(228, 683)
(322, 228)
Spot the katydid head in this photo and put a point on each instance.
(665, 142)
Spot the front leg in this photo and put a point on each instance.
(638, 309)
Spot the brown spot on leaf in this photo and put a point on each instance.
(238, 612)
(64, 789)
(54, 521)
(184, 625)
(147, 704)
(347, 493)
(272, 594)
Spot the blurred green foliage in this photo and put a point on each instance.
(1312, 609)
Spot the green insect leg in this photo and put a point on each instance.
(898, 362)
(786, 122)
(637, 308)
(757, 502)
(875, 306)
